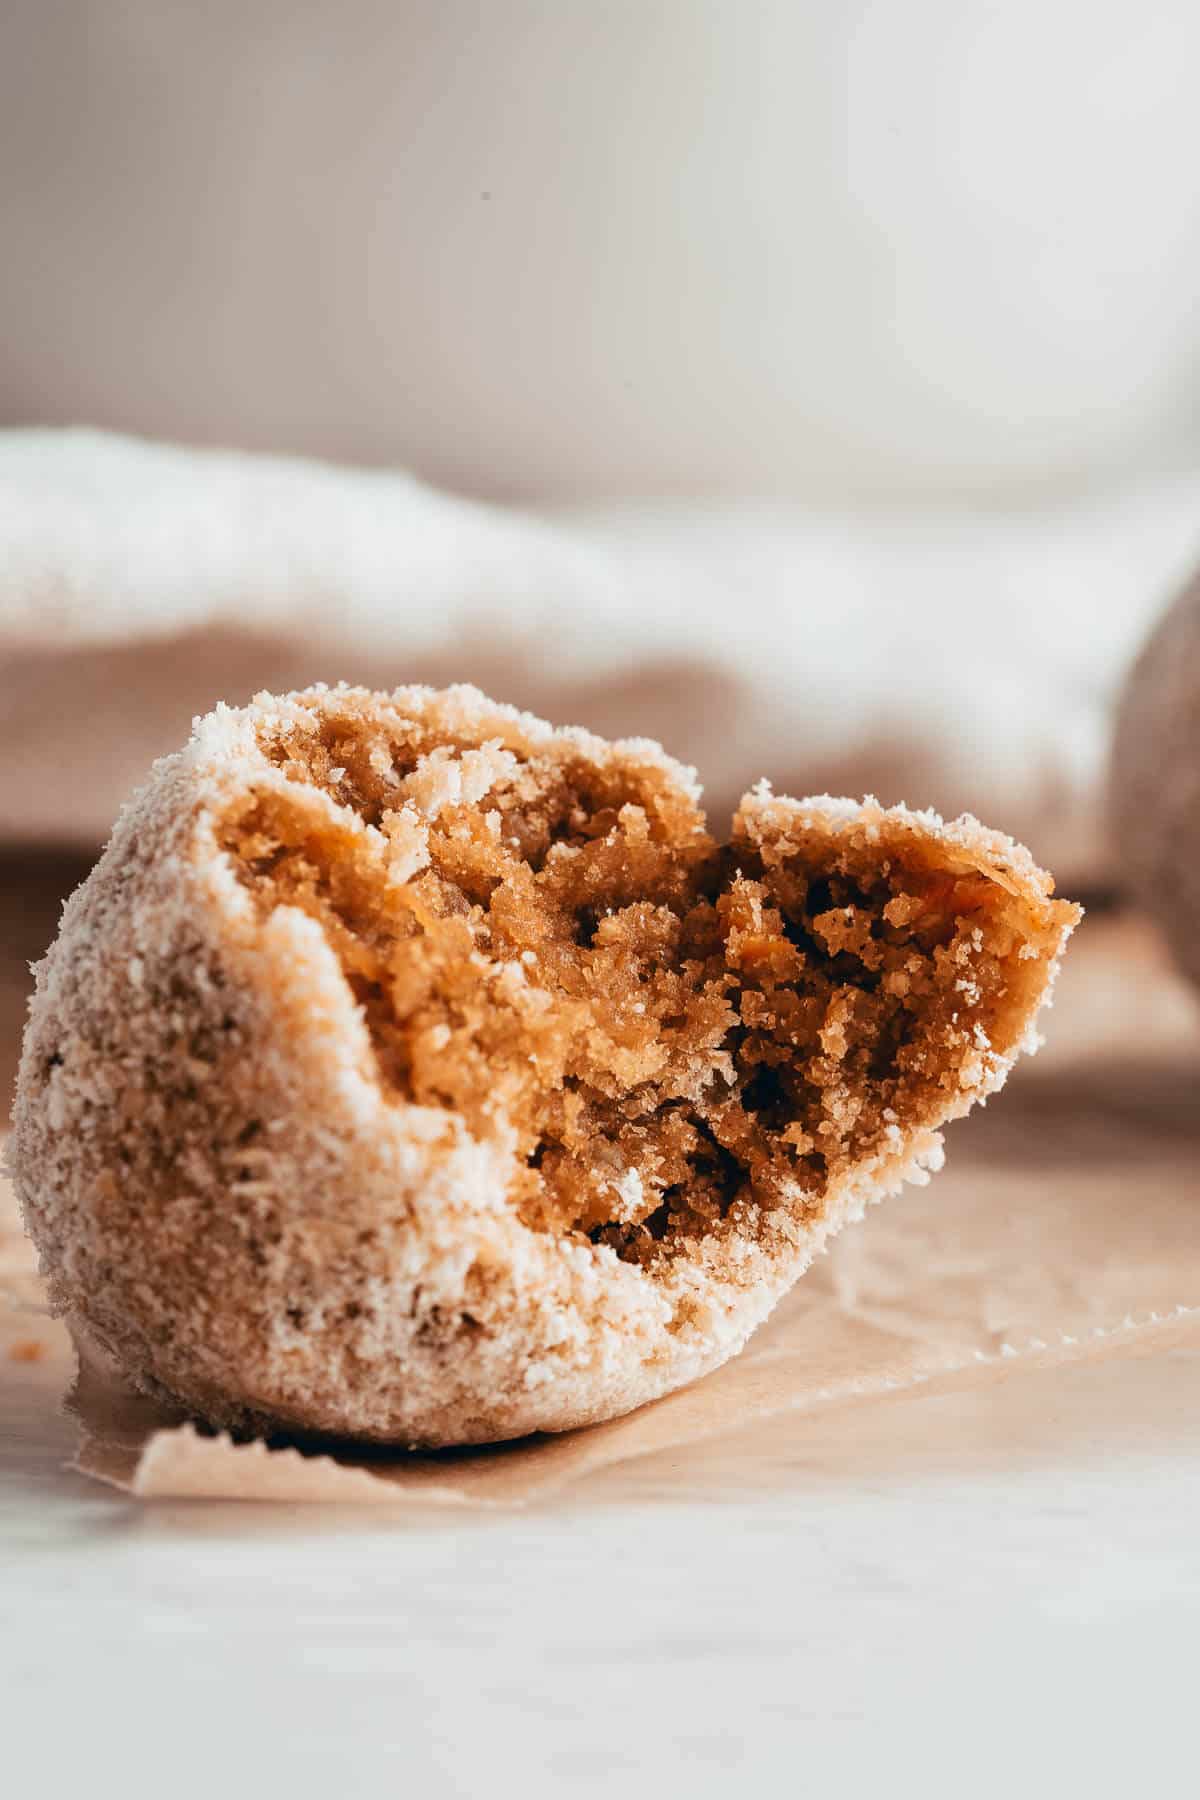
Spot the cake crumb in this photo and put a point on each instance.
(413, 1072)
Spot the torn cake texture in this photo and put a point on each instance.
(409, 1071)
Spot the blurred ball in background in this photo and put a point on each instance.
(1156, 779)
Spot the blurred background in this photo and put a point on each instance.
(814, 387)
(536, 250)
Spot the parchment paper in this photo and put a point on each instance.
(1066, 1227)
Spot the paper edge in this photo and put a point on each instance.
(208, 1461)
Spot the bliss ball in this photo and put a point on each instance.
(408, 1071)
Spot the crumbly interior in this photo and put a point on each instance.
(667, 1032)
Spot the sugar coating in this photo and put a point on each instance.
(410, 1071)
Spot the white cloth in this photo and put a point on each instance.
(958, 660)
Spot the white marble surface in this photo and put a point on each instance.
(987, 1593)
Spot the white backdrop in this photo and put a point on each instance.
(572, 248)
